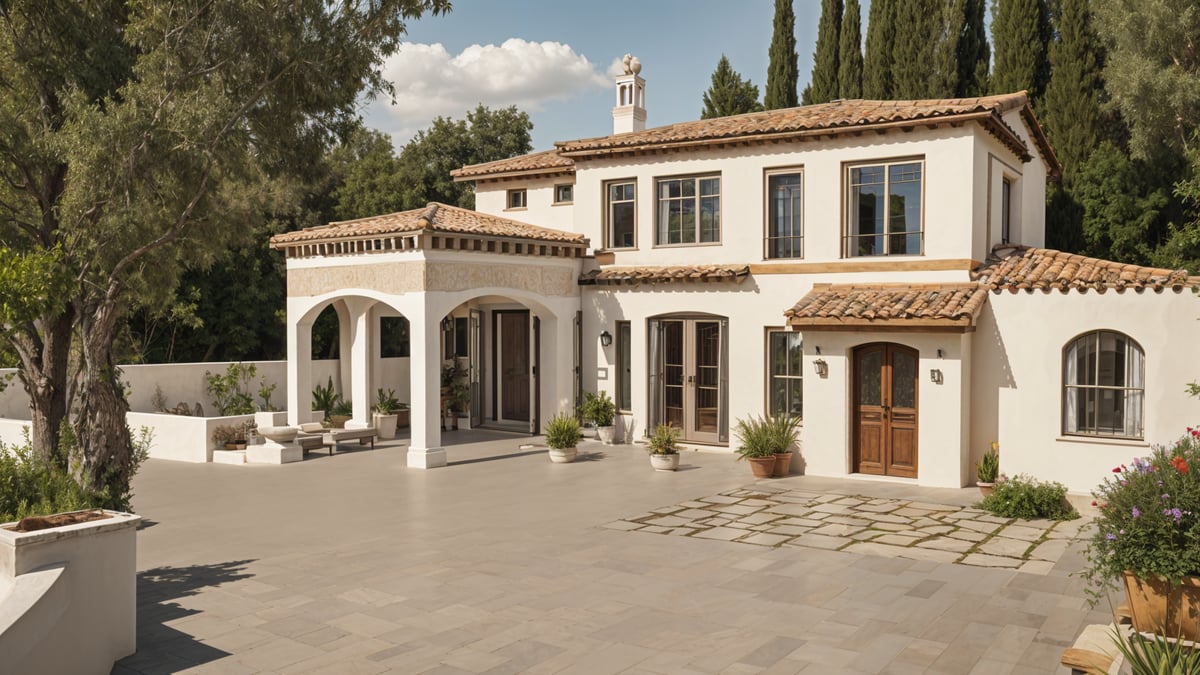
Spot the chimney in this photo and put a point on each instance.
(630, 113)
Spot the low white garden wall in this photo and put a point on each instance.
(12, 431)
(181, 438)
(68, 596)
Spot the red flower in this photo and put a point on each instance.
(1116, 469)
(1180, 464)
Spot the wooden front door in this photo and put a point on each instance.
(512, 348)
(885, 410)
(691, 382)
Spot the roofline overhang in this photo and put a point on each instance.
(522, 173)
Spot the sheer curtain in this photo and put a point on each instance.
(656, 368)
(1135, 373)
(1071, 377)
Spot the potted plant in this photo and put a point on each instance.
(1146, 534)
(664, 456)
(456, 394)
(988, 469)
(758, 445)
(323, 399)
(340, 413)
(562, 436)
(385, 409)
(600, 410)
(785, 431)
(230, 436)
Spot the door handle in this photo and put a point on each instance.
(691, 379)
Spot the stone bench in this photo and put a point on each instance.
(363, 436)
(313, 436)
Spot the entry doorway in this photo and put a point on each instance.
(510, 352)
(885, 410)
(689, 378)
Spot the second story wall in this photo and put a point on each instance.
(545, 200)
(932, 166)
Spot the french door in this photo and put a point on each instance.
(475, 369)
(885, 410)
(513, 369)
(689, 380)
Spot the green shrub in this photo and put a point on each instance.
(562, 431)
(598, 409)
(1028, 498)
(663, 440)
(30, 487)
(989, 465)
(766, 436)
(323, 398)
(386, 402)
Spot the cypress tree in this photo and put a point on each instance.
(729, 93)
(1020, 33)
(973, 52)
(823, 86)
(1072, 104)
(877, 64)
(783, 71)
(924, 49)
(850, 58)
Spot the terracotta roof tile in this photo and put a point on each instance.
(833, 307)
(1023, 267)
(548, 161)
(850, 116)
(435, 217)
(660, 275)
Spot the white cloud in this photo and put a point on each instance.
(430, 81)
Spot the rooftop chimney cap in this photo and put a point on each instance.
(632, 65)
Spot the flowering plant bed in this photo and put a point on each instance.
(1148, 521)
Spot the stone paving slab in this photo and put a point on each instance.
(772, 516)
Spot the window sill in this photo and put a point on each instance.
(688, 245)
(517, 208)
(1104, 440)
(562, 204)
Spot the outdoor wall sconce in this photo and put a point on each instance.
(605, 339)
(935, 376)
(818, 348)
(941, 354)
(821, 367)
(447, 324)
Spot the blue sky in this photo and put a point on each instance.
(552, 59)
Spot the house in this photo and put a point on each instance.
(876, 268)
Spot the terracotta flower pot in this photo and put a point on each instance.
(762, 467)
(783, 464)
(1159, 607)
(985, 488)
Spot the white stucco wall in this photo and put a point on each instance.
(541, 210)
(1019, 350)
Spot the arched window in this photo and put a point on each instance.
(1103, 385)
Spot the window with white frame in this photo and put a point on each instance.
(620, 208)
(785, 377)
(689, 210)
(884, 213)
(1103, 385)
(516, 199)
(785, 231)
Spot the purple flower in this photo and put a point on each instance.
(1137, 513)
(1110, 536)
(1177, 514)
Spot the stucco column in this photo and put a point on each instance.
(424, 450)
(360, 360)
(299, 371)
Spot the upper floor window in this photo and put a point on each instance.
(784, 215)
(689, 210)
(1103, 385)
(516, 199)
(620, 212)
(884, 209)
(785, 374)
(1005, 211)
(564, 194)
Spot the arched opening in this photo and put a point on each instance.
(884, 410)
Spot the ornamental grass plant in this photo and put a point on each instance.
(1026, 497)
(1149, 522)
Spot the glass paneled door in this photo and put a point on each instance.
(688, 357)
(885, 410)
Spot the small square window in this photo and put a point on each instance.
(564, 194)
(516, 199)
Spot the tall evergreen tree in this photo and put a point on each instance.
(783, 69)
(877, 64)
(850, 57)
(973, 51)
(1071, 112)
(729, 94)
(1020, 35)
(925, 49)
(823, 87)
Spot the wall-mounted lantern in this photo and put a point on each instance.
(935, 376)
(605, 339)
(821, 367)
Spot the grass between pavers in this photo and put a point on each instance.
(865, 524)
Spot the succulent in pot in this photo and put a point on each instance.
(562, 436)
(663, 448)
(988, 469)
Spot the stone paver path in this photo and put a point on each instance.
(764, 515)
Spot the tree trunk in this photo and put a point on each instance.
(46, 379)
(104, 454)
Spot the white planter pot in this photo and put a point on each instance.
(385, 425)
(664, 462)
(588, 431)
(563, 455)
(606, 434)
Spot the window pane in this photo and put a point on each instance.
(710, 219)
(624, 368)
(795, 354)
(904, 380)
(688, 186)
(710, 186)
(687, 223)
(778, 353)
(869, 378)
(622, 225)
(795, 397)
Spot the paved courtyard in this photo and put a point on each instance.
(506, 563)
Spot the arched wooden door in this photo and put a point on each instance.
(885, 410)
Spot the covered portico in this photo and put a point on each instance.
(512, 286)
